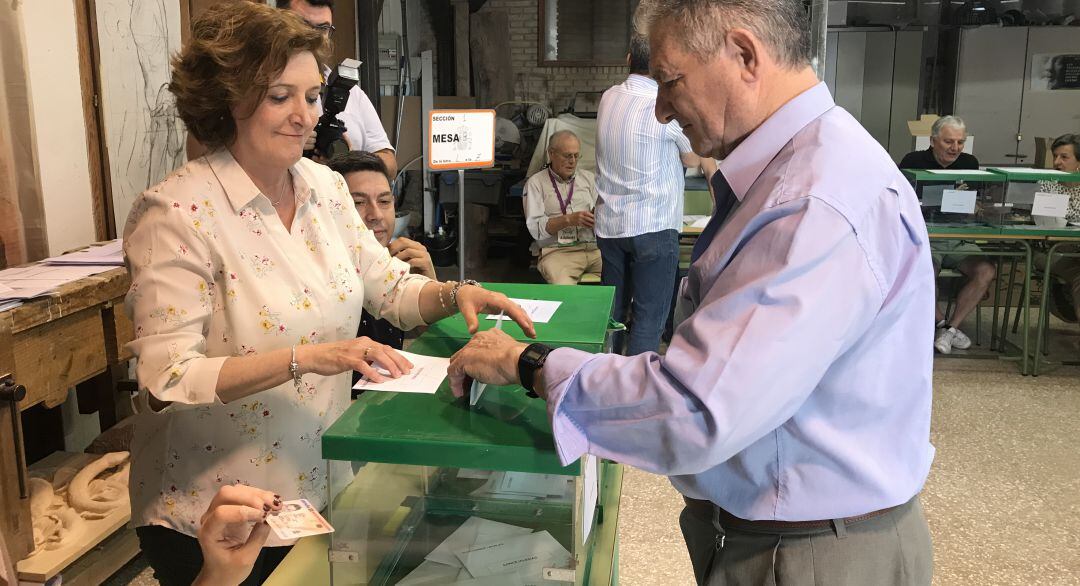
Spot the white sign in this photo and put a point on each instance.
(954, 201)
(1054, 205)
(461, 139)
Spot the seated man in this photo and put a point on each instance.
(366, 175)
(947, 138)
(559, 203)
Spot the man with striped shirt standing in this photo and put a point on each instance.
(639, 181)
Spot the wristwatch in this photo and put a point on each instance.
(532, 360)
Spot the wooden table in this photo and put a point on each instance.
(73, 338)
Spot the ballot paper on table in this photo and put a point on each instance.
(525, 555)
(425, 377)
(1055, 205)
(473, 531)
(955, 201)
(539, 311)
(960, 172)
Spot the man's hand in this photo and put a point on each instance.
(585, 219)
(474, 300)
(229, 543)
(413, 253)
(489, 357)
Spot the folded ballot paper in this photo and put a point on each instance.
(518, 485)
(483, 552)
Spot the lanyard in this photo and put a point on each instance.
(569, 196)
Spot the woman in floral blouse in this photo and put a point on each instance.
(1066, 148)
(250, 268)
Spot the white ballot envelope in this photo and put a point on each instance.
(474, 530)
(427, 374)
(526, 555)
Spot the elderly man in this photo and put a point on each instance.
(947, 138)
(367, 178)
(559, 204)
(792, 408)
(639, 167)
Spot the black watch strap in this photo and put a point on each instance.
(532, 360)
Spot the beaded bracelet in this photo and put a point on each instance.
(457, 287)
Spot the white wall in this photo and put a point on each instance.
(56, 96)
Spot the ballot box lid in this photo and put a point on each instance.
(505, 430)
(974, 175)
(580, 322)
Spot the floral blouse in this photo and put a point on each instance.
(214, 274)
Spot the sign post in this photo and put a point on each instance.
(461, 139)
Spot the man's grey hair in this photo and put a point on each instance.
(558, 135)
(781, 25)
(947, 121)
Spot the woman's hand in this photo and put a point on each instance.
(232, 533)
(472, 300)
(360, 354)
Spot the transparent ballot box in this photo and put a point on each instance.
(959, 197)
(1028, 200)
(428, 489)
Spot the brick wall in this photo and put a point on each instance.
(552, 86)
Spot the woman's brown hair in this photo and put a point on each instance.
(236, 50)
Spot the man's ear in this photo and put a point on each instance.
(747, 51)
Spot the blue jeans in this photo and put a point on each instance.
(642, 270)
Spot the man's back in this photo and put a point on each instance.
(639, 175)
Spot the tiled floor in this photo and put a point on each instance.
(1003, 498)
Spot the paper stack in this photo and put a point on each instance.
(109, 254)
(483, 552)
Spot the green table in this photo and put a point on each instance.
(1019, 235)
(1057, 238)
(580, 322)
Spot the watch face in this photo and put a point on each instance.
(532, 354)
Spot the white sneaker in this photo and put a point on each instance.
(960, 341)
(944, 341)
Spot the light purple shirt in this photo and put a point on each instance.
(799, 388)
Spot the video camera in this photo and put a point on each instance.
(329, 132)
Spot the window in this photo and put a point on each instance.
(585, 32)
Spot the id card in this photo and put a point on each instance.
(567, 236)
(298, 519)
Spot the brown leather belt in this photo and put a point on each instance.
(707, 510)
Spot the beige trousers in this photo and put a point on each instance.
(564, 265)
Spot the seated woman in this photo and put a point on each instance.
(1065, 149)
(250, 268)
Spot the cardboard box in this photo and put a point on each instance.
(1044, 155)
